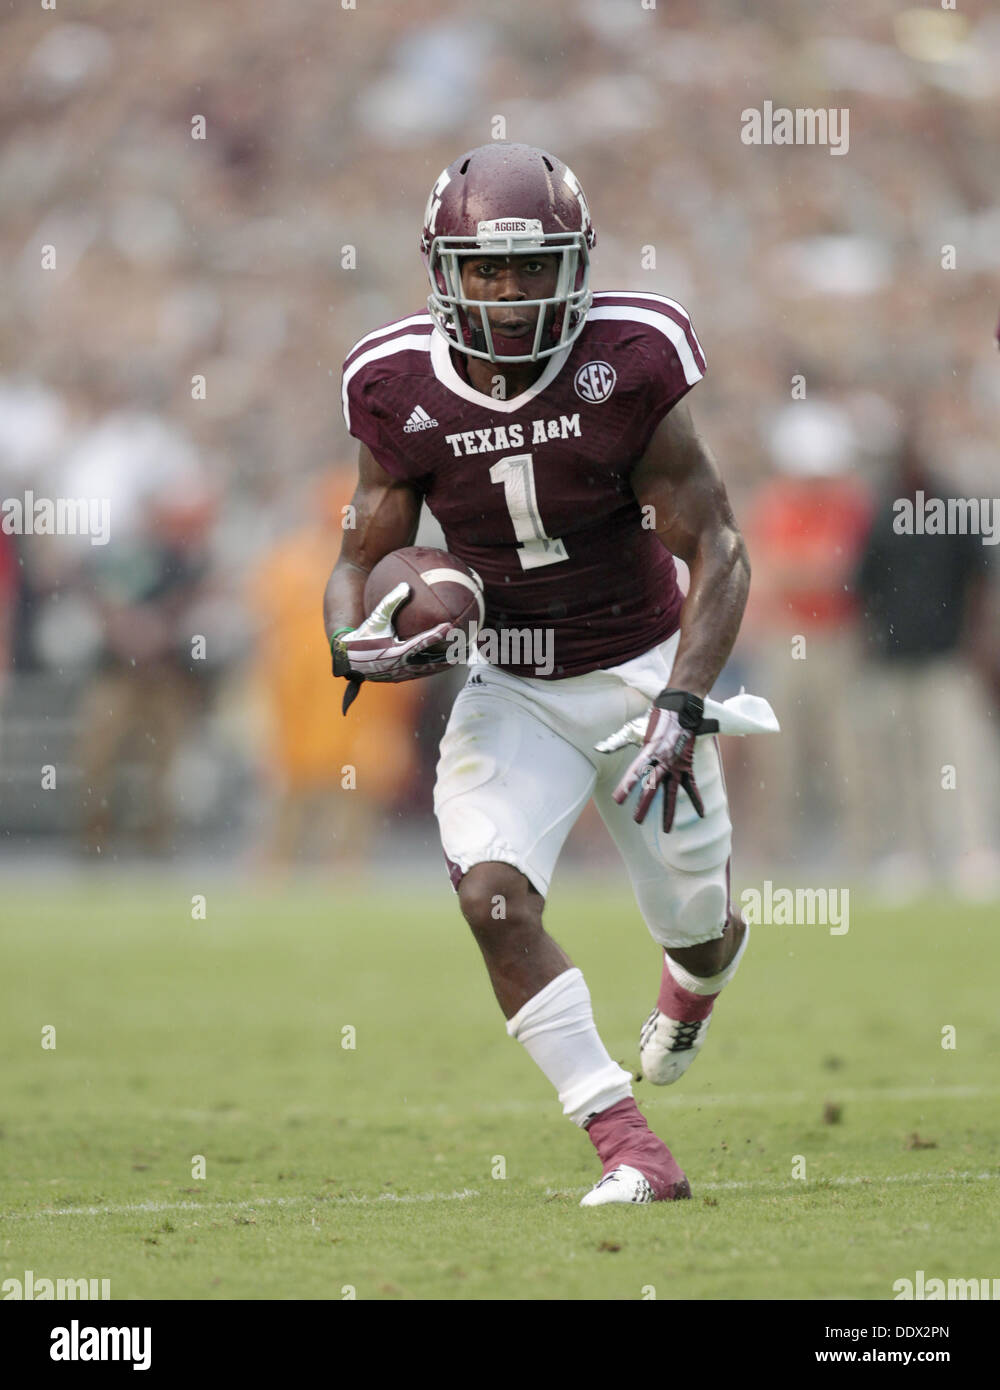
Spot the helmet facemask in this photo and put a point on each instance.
(465, 322)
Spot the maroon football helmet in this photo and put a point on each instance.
(507, 200)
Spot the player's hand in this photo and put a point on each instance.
(666, 757)
(373, 652)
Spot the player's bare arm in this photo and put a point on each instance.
(679, 479)
(386, 514)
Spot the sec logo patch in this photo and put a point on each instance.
(595, 381)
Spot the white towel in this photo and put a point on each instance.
(649, 674)
(740, 714)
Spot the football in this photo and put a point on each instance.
(443, 590)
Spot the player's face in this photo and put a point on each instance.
(508, 280)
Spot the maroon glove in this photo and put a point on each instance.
(667, 756)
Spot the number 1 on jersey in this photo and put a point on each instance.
(517, 473)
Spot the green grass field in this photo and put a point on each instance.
(330, 1168)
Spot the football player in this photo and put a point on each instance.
(544, 426)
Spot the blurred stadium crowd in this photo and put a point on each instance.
(255, 257)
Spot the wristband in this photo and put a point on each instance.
(339, 633)
(339, 653)
(690, 709)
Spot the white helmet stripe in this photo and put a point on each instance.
(434, 201)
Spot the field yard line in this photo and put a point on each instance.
(786, 1184)
(248, 1204)
(824, 1091)
(919, 1178)
(831, 1091)
(845, 1094)
(767, 1099)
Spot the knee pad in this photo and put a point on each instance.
(682, 909)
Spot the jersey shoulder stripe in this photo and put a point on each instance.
(414, 323)
(641, 297)
(378, 351)
(669, 308)
(676, 327)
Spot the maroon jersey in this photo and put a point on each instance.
(534, 492)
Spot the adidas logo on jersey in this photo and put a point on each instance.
(419, 420)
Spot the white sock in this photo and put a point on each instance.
(708, 984)
(557, 1028)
